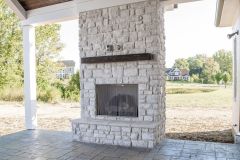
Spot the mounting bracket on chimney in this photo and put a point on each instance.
(118, 58)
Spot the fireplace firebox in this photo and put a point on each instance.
(117, 100)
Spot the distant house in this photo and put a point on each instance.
(175, 74)
(67, 69)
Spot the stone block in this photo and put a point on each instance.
(133, 35)
(111, 137)
(102, 127)
(151, 144)
(136, 130)
(83, 126)
(88, 139)
(139, 80)
(98, 73)
(134, 136)
(140, 44)
(147, 136)
(123, 7)
(117, 137)
(89, 85)
(98, 135)
(107, 141)
(128, 46)
(148, 118)
(140, 28)
(140, 143)
(115, 129)
(113, 12)
(152, 99)
(131, 72)
(126, 129)
(125, 13)
(139, 11)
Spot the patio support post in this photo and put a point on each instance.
(30, 77)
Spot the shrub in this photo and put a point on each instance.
(71, 90)
(11, 94)
(50, 94)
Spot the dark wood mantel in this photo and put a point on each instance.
(118, 58)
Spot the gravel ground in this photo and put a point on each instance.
(50, 117)
(204, 124)
(200, 124)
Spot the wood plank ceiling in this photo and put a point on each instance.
(34, 4)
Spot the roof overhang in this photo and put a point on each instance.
(17, 8)
(70, 10)
(226, 12)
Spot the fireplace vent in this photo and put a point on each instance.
(117, 100)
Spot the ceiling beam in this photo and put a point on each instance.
(17, 9)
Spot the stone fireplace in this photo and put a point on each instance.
(122, 94)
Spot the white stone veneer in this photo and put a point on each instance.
(139, 28)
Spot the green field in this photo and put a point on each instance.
(198, 95)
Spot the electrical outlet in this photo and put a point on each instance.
(109, 48)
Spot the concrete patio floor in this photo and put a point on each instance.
(51, 145)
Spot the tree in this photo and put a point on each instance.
(196, 64)
(224, 59)
(11, 73)
(210, 69)
(48, 47)
(218, 77)
(226, 78)
(195, 78)
(181, 64)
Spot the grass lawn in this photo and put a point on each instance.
(215, 96)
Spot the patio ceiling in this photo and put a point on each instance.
(34, 4)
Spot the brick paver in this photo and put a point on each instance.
(51, 145)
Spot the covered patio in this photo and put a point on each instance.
(41, 145)
(51, 145)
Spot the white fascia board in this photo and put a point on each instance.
(69, 10)
(87, 5)
(17, 9)
(52, 14)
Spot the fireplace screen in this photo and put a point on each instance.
(117, 100)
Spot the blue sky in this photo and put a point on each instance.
(189, 30)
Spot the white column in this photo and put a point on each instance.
(30, 77)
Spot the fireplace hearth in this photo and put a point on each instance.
(117, 100)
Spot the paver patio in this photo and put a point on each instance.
(51, 145)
